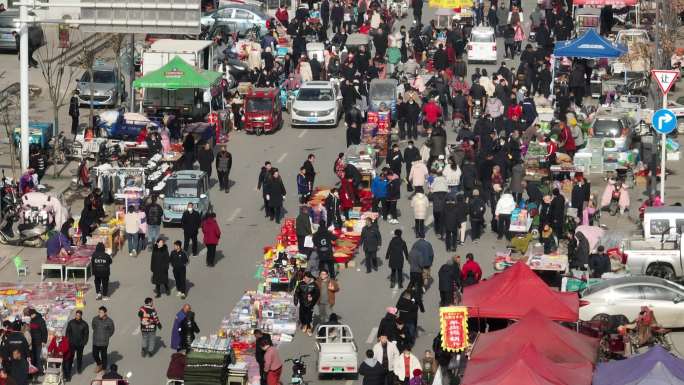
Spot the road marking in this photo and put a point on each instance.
(136, 331)
(301, 134)
(282, 157)
(371, 336)
(234, 215)
(349, 382)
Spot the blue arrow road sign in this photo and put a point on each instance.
(664, 121)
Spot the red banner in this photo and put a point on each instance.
(453, 321)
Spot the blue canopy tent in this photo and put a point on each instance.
(591, 45)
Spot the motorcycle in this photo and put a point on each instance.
(65, 148)
(27, 234)
(477, 110)
(298, 370)
(9, 195)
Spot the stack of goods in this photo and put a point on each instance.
(672, 149)
(519, 220)
(361, 157)
(535, 164)
(211, 344)
(376, 132)
(206, 368)
(80, 256)
(279, 266)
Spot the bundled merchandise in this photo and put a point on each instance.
(206, 368)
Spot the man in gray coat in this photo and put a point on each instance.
(420, 258)
(103, 330)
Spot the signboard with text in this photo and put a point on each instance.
(453, 322)
(179, 17)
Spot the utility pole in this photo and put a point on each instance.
(24, 86)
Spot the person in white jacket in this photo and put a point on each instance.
(420, 204)
(504, 209)
(405, 364)
(418, 175)
(386, 349)
(452, 173)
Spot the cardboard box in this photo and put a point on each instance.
(641, 181)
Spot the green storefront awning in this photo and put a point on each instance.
(178, 74)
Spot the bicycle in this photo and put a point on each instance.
(298, 370)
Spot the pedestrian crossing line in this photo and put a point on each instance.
(282, 157)
(371, 336)
(349, 382)
(301, 134)
(136, 331)
(234, 215)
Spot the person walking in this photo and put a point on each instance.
(328, 289)
(179, 260)
(476, 210)
(471, 273)
(371, 241)
(275, 195)
(451, 224)
(77, 332)
(18, 367)
(132, 226)
(379, 189)
(385, 351)
(100, 263)
(187, 330)
(39, 335)
(264, 178)
(211, 233)
(190, 222)
(153, 215)
(411, 154)
(310, 171)
(420, 204)
(103, 330)
(418, 175)
(224, 162)
(504, 208)
(260, 337)
(205, 157)
(449, 281)
(421, 257)
(175, 331)
(407, 310)
(372, 371)
(405, 365)
(323, 243)
(159, 265)
(306, 296)
(397, 252)
(303, 228)
(393, 196)
(273, 365)
(74, 112)
(303, 186)
(149, 323)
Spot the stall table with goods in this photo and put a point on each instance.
(376, 132)
(536, 166)
(77, 261)
(362, 158)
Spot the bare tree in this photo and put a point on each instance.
(9, 107)
(86, 59)
(59, 77)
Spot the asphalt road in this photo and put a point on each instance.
(213, 292)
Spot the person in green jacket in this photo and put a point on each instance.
(393, 58)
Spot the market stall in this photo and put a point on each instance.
(655, 366)
(376, 132)
(78, 261)
(122, 184)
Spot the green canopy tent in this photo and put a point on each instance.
(178, 74)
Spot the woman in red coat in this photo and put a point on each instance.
(347, 196)
(59, 348)
(212, 234)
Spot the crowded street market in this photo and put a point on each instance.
(480, 192)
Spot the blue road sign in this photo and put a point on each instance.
(664, 121)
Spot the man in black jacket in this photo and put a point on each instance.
(372, 371)
(371, 241)
(153, 215)
(477, 210)
(74, 112)
(336, 16)
(191, 221)
(599, 263)
(179, 260)
(38, 331)
(77, 333)
(397, 252)
(310, 172)
(99, 263)
(264, 176)
(205, 157)
(15, 340)
(449, 281)
(323, 242)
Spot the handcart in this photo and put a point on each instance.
(53, 372)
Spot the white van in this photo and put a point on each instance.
(482, 45)
(668, 220)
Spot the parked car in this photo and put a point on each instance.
(615, 127)
(107, 87)
(318, 103)
(239, 18)
(8, 27)
(263, 112)
(482, 45)
(183, 187)
(628, 294)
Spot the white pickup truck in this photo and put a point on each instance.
(337, 351)
(660, 258)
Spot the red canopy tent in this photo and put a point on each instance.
(526, 366)
(601, 3)
(555, 342)
(515, 292)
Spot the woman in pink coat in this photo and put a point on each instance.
(616, 189)
(212, 233)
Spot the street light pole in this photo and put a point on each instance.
(24, 86)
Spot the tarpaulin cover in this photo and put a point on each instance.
(601, 3)
(589, 45)
(526, 366)
(556, 342)
(178, 74)
(515, 292)
(656, 366)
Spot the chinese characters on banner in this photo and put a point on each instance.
(450, 3)
(453, 321)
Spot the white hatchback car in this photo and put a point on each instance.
(318, 103)
(482, 45)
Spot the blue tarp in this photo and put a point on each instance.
(590, 45)
(656, 366)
